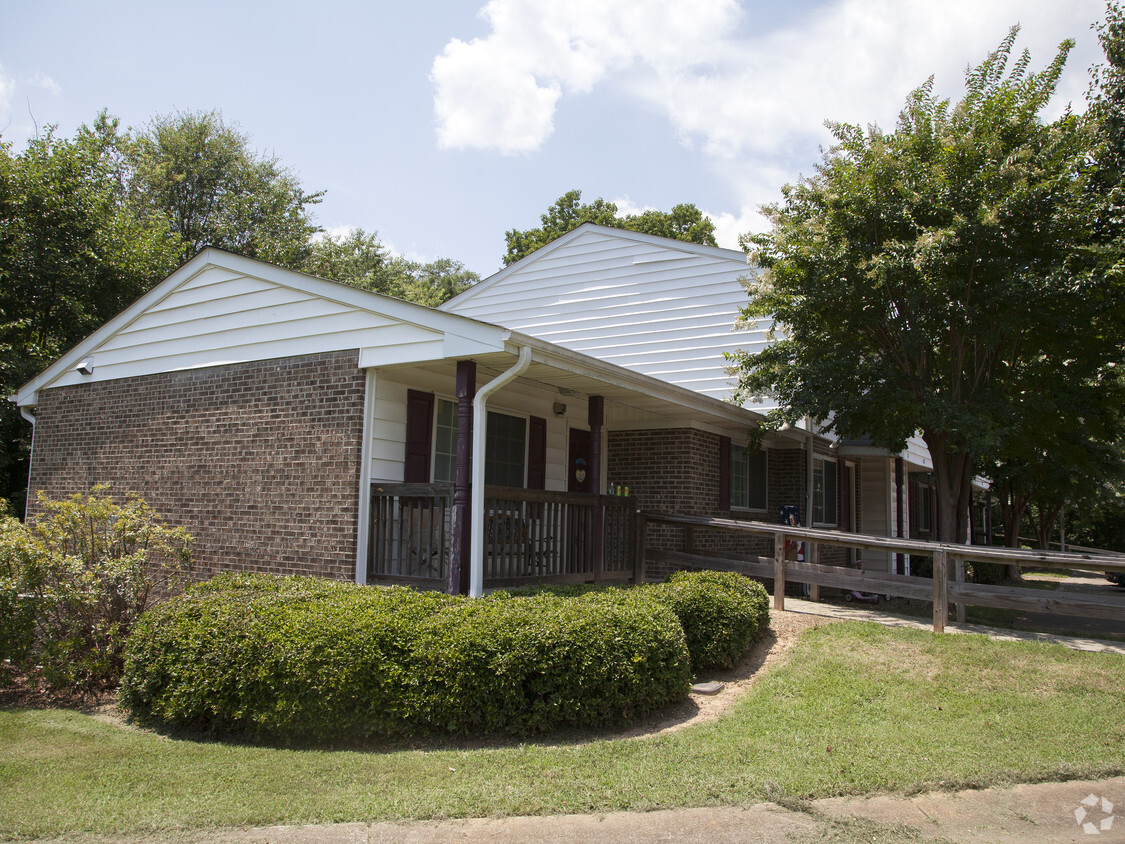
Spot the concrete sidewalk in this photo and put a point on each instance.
(1024, 814)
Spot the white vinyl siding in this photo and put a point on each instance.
(219, 317)
(637, 302)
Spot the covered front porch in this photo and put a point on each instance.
(440, 433)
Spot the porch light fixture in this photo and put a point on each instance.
(559, 408)
(86, 367)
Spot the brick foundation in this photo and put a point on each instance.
(259, 461)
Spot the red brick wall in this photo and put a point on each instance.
(677, 471)
(259, 461)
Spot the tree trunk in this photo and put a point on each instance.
(953, 486)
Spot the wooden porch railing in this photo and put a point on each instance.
(531, 536)
(946, 587)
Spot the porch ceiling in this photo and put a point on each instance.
(630, 397)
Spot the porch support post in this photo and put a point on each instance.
(462, 509)
(596, 418)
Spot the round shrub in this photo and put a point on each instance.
(722, 613)
(303, 659)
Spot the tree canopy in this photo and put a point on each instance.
(360, 259)
(214, 190)
(90, 223)
(683, 222)
(939, 278)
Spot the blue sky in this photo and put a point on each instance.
(443, 124)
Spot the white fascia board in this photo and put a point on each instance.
(470, 333)
(667, 243)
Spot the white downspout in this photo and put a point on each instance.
(480, 420)
(30, 417)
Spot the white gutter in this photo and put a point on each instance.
(480, 421)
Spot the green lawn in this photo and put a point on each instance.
(856, 708)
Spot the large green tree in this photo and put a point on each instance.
(360, 259)
(925, 279)
(683, 222)
(72, 254)
(203, 177)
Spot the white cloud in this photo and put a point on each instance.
(45, 82)
(750, 99)
(500, 92)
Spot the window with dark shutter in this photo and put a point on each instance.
(537, 453)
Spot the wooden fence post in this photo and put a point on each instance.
(640, 546)
(941, 591)
(813, 557)
(779, 571)
(959, 578)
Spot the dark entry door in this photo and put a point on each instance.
(579, 474)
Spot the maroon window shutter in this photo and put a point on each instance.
(724, 473)
(419, 436)
(537, 453)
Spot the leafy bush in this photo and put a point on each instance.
(73, 582)
(722, 614)
(300, 659)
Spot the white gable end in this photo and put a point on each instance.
(639, 302)
(221, 309)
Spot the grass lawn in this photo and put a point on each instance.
(856, 708)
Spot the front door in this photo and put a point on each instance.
(578, 474)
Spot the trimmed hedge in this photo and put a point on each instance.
(722, 613)
(304, 659)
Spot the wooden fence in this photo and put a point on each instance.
(947, 586)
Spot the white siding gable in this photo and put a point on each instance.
(640, 302)
(221, 309)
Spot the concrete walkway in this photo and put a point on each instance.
(868, 612)
(1024, 814)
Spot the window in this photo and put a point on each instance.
(445, 442)
(824, 491)
(505, 448)
(748, 472)
(515, 446)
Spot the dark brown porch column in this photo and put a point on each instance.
(462, 511)
(596, 418)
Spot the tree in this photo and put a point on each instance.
(214, 190)
(925, 279)
(684, 222)
(358, 258)
(72, 255)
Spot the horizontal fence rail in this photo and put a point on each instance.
(948, 560)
